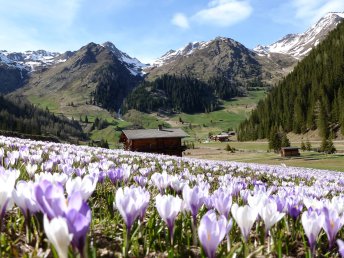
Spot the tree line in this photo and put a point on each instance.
(182, 94)
(19, 116)
(311, 97)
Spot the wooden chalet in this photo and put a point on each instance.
(290, 152)
(163, 140)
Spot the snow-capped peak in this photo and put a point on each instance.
(299, 45)
(187, 50)
(132, 63)
(30, 60)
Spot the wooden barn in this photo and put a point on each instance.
(163, 140)
(290, 152)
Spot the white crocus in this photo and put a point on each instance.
(257, 200)
(58, 234)
(31, 169)
(270, 215)
(85, 186)
(24, 198)
(7, 182)
(245, 217)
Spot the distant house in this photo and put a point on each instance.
(223, 137)
(290, 152)
(162, 140)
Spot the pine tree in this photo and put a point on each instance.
(308, 145)
(284, 140)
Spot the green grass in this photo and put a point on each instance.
(44, 103)
(109, 134)
(143, 120)
(231, 114)
(256, 152)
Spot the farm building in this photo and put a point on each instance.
(290, 152)
(223, 137)
(163, 140)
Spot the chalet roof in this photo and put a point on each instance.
(155, 133)
(290, 148)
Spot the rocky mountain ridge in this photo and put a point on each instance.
(299, 45)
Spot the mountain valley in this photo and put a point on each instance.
(98, 79)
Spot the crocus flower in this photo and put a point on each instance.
(168, 208)
(78, 216)
(270, 215)
(245, 217)
(211, 232)
(50, 198)
(85, 186)
(130, 202)
(58, 234)
(340, 244)
(332, 224)
(312, 223)
(294, 207)
(115, 175)
(24, 198)
(161, 181)
(222, 202)
(194, 199)
(7, 182)
(141, 180)
(31, 169)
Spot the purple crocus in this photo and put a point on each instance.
(294, 207)
(50, 198)
(141, 180)
(131, 203)
(222, 202)
(312, 222)
(194, 199)
(78, 215)
(332, 224)
(340, 244)
(211, 232)
(115, 175)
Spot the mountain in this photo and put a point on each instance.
(92, 78)
(221, 57)
(132, 64)
(299, 45)
(15, 67)
(309, 98)
(11, 77)
(33, 60)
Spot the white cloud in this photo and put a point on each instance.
(62, 11)
(31, 24)
(181, 21)
(312, 10)
(223, 13)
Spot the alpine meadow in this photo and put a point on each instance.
(172, 128)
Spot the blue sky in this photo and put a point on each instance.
(146, 29)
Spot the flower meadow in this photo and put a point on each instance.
(60, 200)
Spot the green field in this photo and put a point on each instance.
(257, 152)
(231, 114)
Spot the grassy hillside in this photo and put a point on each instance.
(230, 116)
